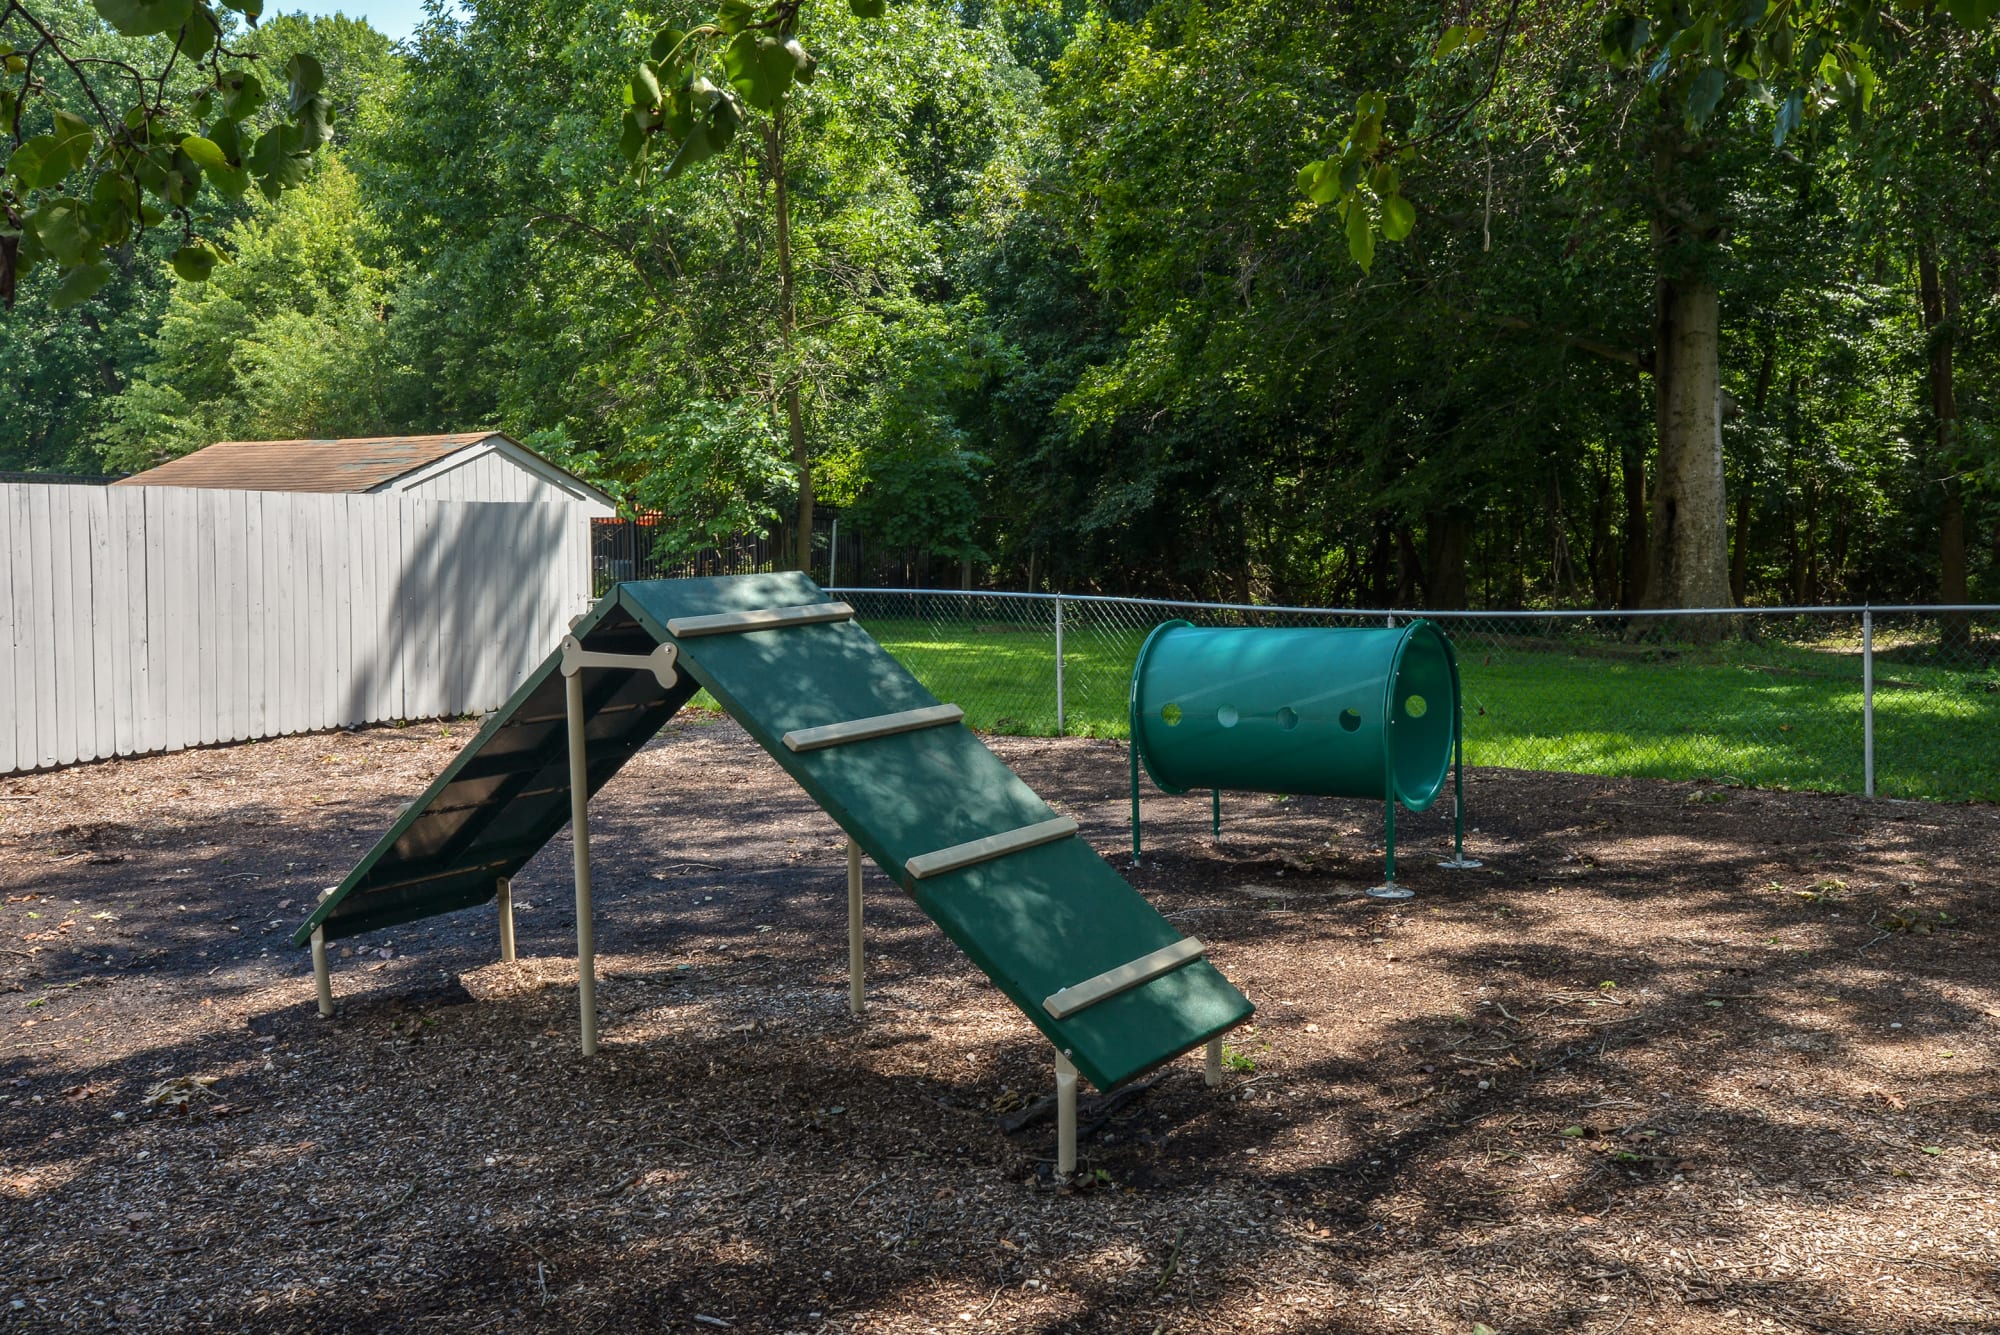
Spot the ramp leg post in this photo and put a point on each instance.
(856, 997)
(1065, 1118)
(322, 976)
(579, 817)
(504, 898)
(1215, 815)
(1133, 749)
(1211, 1067)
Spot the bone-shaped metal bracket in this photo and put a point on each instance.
(575, 658)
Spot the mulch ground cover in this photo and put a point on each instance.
(1680, 1057)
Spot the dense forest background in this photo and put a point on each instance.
(1062, 313)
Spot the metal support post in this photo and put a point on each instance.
(1389, 889)
(1868, 701)
(855, 996)
(1060, 720)
(579, 819)
(1215, 815)
(1065, 1118)
(1459, 862)
(833, 554)
(1211, 1067)
(504, 898)
(322, 977)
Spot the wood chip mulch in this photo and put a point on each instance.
(1679, 1058)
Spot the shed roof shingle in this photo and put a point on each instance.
(355, 464)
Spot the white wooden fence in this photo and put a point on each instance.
(136, 619)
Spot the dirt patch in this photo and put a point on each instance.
(1679, 1058)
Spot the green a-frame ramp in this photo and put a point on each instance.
(1092, 965)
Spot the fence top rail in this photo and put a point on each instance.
(1442, 614)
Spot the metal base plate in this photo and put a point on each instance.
(1462, 863)
(1390, 891)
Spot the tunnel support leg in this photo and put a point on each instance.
(1215, 815)
(579, 816)
(1459, 862)
(1065, 1118)
(1211, 1068)
(1389, 889)
(856, 998)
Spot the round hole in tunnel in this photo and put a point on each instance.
(1226, 716)
(1170, 714)
(1416, 706)
(1288, 718)
(1350, 720)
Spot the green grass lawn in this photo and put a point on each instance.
(1766, 714)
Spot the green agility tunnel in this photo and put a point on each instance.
(1332, 712)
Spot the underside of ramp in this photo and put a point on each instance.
(1110, 982)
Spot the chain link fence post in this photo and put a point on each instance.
(1868, 701)
(1059, 668)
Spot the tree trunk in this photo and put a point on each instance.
(1940, 312)
(1739, 556)
(1687, 563)
(788, 327)
(1446, 536)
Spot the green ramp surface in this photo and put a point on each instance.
(1035, 921)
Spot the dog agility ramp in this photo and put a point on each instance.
(1110, 982)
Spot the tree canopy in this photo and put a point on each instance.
(1517, 303)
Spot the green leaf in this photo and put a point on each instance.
(1360, 233)
(230, 181)
(200, 34)
(315, 123)
(759, 68)
(227, 135)
(195, 262)
(80, 284)
(868, 9)
(31, 159)
(645, 88)
(632, 137)
(144, 18)
(305, 77)
(694, 150)
(1787, 119)
(665, 42)
(725, 119)
(75, 138)
(1453, 39)
(63, 228)
(1319, 182)
(207, 154)
(242, 93)
(1398, 217)
(1703, 93)
(1622, 38)
(733, 16)
(274, 161)
(249, 9)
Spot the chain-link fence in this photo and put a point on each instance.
(1902, 702)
